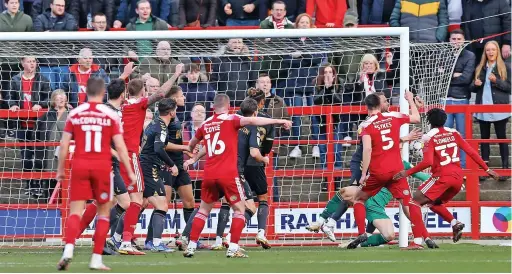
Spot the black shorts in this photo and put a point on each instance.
(355, 171)
(176, 182)
(257, 179)
(119, 186)
(153, 183)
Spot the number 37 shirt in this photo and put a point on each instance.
(220, 134)
(384, 129)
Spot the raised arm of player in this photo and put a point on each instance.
(128, 70)
(63, 153)
(415, 134)
(367, 154)
(414, 118)
(122, 155)
(166, 87)
(261, 121)
(474, 155)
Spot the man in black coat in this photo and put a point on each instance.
(473, 11)
(84, 10)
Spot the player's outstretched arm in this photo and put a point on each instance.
(166, 87)
(367, 154)
(194, 159)
(128, 70)
(123, 157)
(193, 143)
(475, 156)
(261, 121)
(415, 134)
(63, 153)
(162, 154)
(175, 147)
(428, 159)
(414, 118)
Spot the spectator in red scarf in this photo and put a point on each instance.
(328, 13)
(75, 82)
(277, 20)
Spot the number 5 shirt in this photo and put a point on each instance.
(384, 129)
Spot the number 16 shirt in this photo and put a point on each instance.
(220, 134)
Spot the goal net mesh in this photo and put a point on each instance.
(307, 165)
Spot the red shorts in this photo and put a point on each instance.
(91, 181)
(442, 188)
(211, 190)
(399, 189)
(139, 186)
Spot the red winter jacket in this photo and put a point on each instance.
(327, 11)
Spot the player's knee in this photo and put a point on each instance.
(420, 198)
(144, 204)
(388, 236)
(123, 201)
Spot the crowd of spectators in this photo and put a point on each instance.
(298, 78)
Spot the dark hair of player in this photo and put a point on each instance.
(248, 107)
(372, 101)
(135, 87)
(436, 117)
(221, 101)
(166, 106)
(115, 88)
(256, 94)
(173, 91)
(95, 86)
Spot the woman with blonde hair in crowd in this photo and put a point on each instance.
(49, 128)
(492, 87)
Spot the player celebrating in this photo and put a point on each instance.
(93, 126)
(441, 152)
(380, 139)
(152, 157)
(134, 114)
(220, 173)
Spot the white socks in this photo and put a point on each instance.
(453, 222)
(157, 241)
(68, 251)
(218, 240)
(96, 260)
(418, 241)
(192, 244)
(233, 247)
(117, 237)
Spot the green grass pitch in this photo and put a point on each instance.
(449, 258)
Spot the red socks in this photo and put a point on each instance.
(360, 216)
(100, 235)
(72, 229)
(418, 227)
(87, 217)
(237, 225)
(197, 226)
(442, 211)
(130, 221)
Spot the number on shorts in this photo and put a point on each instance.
(213, 143)
(387, 139)
(89, 131)
(447, 158)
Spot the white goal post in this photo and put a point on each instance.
(336, 40)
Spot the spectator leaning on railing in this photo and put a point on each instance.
(75, 82)
(13, 19)
(84, 10)
(458, 91)
(492, 87)
(49, 128)
(197, 13)
(128, 9)
(278, 19)
(427, 19)
(28, 90)
(475, 26)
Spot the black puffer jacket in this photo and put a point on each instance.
(237, 6)
(459, 86)
(40, 6)
(80, 8)
(192, 10)
(491, 25)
